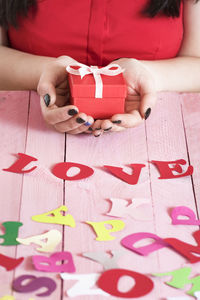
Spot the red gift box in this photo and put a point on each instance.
(83, 94)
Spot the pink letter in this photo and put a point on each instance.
(129, 240)
(184, 211)
(41, 261)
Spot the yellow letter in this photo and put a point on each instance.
(55, 217)
(103, 234)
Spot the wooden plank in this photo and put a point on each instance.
(42, 192)
(191, 109)
(13, 130)
(166, 142)
(88, 200)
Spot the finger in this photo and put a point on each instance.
(83, 128)
(48, 99)
(129, 120)
(58, 114)
(106, 125)
(117, 128)
(89, 130)
(97, 131)
(97, 125)
(148, 97)
(72, 123)
(49, 79)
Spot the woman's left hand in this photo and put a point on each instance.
(141, 97)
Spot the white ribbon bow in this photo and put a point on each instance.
(85, 70)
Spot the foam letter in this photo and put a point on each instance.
(34, 284)
(11, 233)
(178, 298)
(130, 179)
(10, 263)
(21, 163)
(123, 208)
(166, 171)
(9, 297)
(131, 239)
(108, 282)
(84, 286)
(49, 264)
(184, 211)
(60, 171)
(180, 279)
(48, 241)
(103, 234)
(57, 217)
(104, 258)
(186, 249)
(197, 295)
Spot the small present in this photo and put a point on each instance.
(98, 92)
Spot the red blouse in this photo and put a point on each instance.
(96, 32)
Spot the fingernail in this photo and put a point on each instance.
(97, 135)
(80, 120)
(87, 124)
(90, 128)
(107, 129)
(47, 99)
(99, 128)
(117, 122)
(72, 112)
(147, 113)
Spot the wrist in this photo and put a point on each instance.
(65, 60)
(40, 63)
(152, 68)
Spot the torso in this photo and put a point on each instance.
(97, 32)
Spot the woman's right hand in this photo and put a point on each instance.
(53, 89)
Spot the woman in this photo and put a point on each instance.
(156, 42)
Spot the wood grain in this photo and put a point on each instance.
(13, 131)
(171, 133)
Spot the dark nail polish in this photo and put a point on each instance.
(47, 99)
(72, 112)
(97, 135)
(117, 122)
(90, 129)
(80, 120)
(99, 128)
(107, 129)
(147, 113)
(87, 124)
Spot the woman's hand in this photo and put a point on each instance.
(141, 97)
(54, 94)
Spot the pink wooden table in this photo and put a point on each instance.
(172, 132)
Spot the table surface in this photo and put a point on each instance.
(172, 132)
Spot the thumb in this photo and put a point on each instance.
(47, 94)
(148, 97)
(53, 75)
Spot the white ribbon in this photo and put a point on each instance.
(85, 70)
